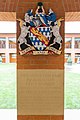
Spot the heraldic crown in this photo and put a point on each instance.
(40, 32)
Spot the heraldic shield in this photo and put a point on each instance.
(39, 44)
(40, 32)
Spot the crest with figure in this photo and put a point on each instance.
(40, 32)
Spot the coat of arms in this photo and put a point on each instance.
(40, 32)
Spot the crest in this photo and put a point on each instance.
(40, 33)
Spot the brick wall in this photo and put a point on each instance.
(62, 5)
(41, 62)
(27, 73)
